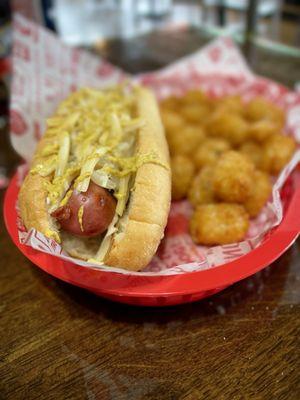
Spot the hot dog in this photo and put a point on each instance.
(99, 182)
(99, 209)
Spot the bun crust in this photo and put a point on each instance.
(148, 207)
(32, 199)
(150, 200)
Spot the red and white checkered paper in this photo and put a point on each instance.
(45, 71)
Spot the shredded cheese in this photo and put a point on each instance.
(63, 154)
(80, 217)
(106, 242)
(66, 198)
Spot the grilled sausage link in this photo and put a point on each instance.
(98, 210)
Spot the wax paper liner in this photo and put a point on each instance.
(45, 71)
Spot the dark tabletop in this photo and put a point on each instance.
(61, 342)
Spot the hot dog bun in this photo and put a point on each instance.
(32, 199)
(147, 210)
(150, 202)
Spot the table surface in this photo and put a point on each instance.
(61, 342)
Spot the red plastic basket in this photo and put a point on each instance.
(168, 289)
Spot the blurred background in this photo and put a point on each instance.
(100, 24)
(141, 35)
(91, 22)
(84, 22)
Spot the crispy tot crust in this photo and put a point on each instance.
(233, 177)
(201, 190)
(259, 195)
(219, 224)
(183, 171)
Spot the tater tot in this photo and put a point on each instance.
(232, 104)
(182, 175)
(253, 151)
(277, 151)
(233, 177)
(171, 103)
(218, 224)
(209, 151)
(171, 121)
(195, 97)
(228, 126)
(259, 195)
(201, 190)
(186, 140)
(259, 108)
(194, 113)
(262, 130)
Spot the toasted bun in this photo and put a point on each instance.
(148, 207)
(32, 199)
(150, 201)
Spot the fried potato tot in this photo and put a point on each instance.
(171, 121)
(233, 177)
(195, 97)
(182, 174)
(171, 103)
(194, 113)
(228, 126)
(209, 151)
(201, 191)
(218, 224)
(233, 104)
(262, 130)
(253, 151)
(186, 140)
(259, 108)
(259, 195)
(277, 152)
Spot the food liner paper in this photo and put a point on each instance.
(45, 71)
